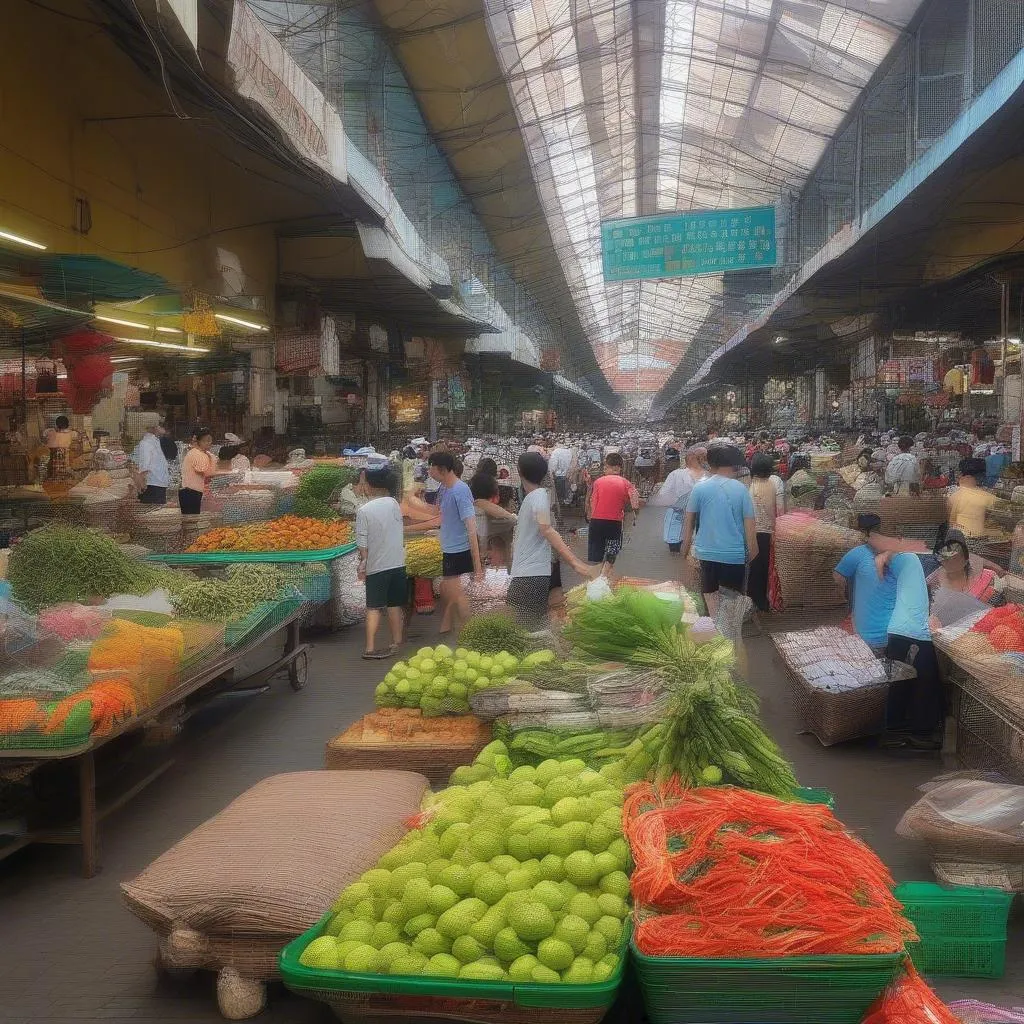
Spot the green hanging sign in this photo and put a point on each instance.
(687, 244)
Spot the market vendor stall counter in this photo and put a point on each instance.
(207, 679)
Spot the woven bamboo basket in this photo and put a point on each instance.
(847, 715)
(434, 760)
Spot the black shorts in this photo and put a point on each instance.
(714, 575)
(153, 495)
(388, 588)
(556, 575)
(190, 502)
(527, 598)
(457, 564)
(604, 539)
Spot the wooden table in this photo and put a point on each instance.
(85, 833)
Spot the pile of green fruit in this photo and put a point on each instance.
(519, 877)
(440, 681)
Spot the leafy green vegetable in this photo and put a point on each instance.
(614, 628)
(492, 633)
(319, 487)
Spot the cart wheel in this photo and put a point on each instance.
(298, 670)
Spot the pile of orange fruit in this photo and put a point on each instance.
(289, 533)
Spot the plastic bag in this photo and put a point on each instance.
(985, 803)
(599, 589)
(971, 1011)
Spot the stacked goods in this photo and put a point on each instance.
(752, 908)
(727, 872)
(519, 876)
(27, 722)
(289, 533)
(1004, 627)
(59, 563)
(403, 738)
(423, 557)
(389, 725)
(493, 633)
(149, 657)
(807, 551)
(319, 488)
(241, 590)
(439, 680)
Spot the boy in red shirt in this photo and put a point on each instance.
(609, 497)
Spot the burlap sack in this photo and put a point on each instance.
(242, 885)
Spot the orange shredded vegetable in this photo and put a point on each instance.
(19, 715)
(725, 872)
(909, 1000)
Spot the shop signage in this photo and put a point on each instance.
(265, 73)
(687, 244)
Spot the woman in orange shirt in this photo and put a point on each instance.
(196, 468)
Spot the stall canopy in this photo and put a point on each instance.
(625, 109)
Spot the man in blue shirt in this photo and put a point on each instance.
(460, 548)
(872, 596)
(719, 525)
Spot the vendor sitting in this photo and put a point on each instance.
(961, 572)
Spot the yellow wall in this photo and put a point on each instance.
(165, 193)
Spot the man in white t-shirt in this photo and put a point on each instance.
(151, 471)
(380, 540)
(535, 540)
(560, 463)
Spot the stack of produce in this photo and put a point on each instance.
(493, 633)
(1004, 627)
(726, 873)
(423, 557)
(705, 730)
(319, 488)
(407, 725)
(439, 680)
(231, 597)
(150, 658)
(37, 721)
(289, 533)
(510, 877)
(59, 563)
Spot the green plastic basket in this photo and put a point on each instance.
(784, 990)
(264, 618)
(959, 912)
(810, 795)
(388, 997)
(958, 957)
(228, 557)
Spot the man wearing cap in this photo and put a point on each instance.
(720, 525)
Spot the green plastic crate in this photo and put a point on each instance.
(231, 557)
(958, 912)
(958, 957)
(784, 990)
(387, 997)
(811, 795)
(264, 618)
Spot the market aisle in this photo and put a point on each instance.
(73, 953)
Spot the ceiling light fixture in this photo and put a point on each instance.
(169, 330)
(123, 323)
(126, 359)
(21, 240)
(162, 344)
(241, 323)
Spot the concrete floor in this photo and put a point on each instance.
(70, 952)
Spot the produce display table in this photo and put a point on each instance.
(988, 704)
(332, 557)
(85, 832)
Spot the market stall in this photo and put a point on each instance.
(98, 644)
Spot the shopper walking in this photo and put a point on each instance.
(534, 546)
(675, 493)
(903, 474)
(380, 541)
(768, 495)
(610, 496)
(196, 469)
(720, 526)
(460, 547)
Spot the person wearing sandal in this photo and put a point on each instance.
(381, 543)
